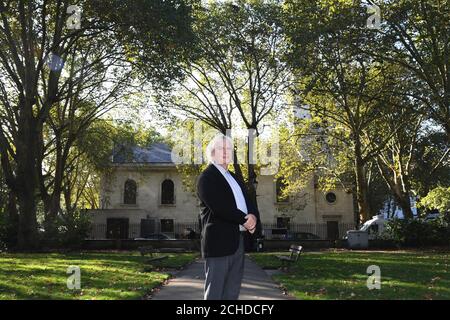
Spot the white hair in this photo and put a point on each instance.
(212, 144)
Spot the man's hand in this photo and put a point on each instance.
(251, 222)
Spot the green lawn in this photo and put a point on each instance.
(112, 275)
(342, 275)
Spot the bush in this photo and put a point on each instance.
(438, 198)
(72, 228)
(3, 232)
(417, 232)
(8, 231)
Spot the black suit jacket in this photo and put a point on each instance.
(220, 219)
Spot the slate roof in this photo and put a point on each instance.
(156, 153)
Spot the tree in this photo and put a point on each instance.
(90, 159)
(414, 34)
(236, 75)
(431, 167)
(35, 42)
(338, 82)
(438, 198)
(395, 161)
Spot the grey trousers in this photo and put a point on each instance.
(223, 275)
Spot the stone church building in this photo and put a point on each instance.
(144, 196)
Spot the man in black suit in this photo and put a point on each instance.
(227, 216)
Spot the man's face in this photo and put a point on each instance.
(223, 152)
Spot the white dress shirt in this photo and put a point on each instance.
(237, 191)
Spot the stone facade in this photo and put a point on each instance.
(310, 206)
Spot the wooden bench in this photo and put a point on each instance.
(154, 259)
(145, 250)
(293, 257)
(171, 250)
(150, 250)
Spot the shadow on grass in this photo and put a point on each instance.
(103, 275)
(343, 275)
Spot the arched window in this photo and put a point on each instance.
(280, 185)
(129, 194)
(167, 192)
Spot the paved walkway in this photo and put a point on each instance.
(188, 284)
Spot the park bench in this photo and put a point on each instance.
(150, 250)
(145, 250)
(293, 257)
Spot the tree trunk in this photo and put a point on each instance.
(52, 202)
(13, 220)
(405, 204)
(51, 214)
(251, 177)
(26, 179)
(237, 168)
(404, 201)
(27, 233)
(361, 190)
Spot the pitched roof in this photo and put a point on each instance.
(157, 152)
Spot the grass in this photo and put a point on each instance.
(104, 275)
(342, 274)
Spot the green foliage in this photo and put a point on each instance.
(183, 134)
(97, 144)
(368, 85)
(98, 141)
(73, 228)
(438, 198)
(237, 67)
(431, 167)
(8, 227)
(155, 35)
(8, 235)
(417, 232)
(3, 231)
(3, 212)
(297, 166)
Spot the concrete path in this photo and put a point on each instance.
(188, 284)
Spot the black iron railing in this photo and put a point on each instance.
(270, 231)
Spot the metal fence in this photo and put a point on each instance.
(98, 231)
(319, 229)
